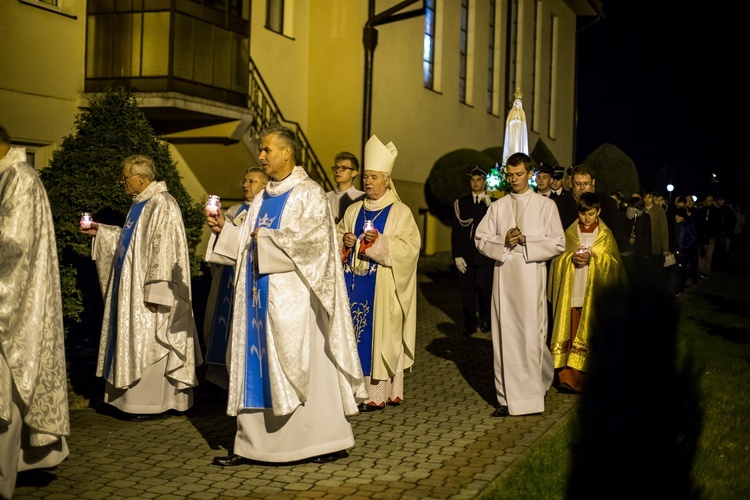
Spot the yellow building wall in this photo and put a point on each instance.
(41, 68)
(336, 77)
(283, 60)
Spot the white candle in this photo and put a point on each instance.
(86, 220)
(213, 204)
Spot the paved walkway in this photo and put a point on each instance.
(441, 443)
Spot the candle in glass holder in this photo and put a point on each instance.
(368, 225)
(213, 204)
(86, 220)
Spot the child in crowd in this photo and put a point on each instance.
(591, 261)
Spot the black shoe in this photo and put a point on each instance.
(331, 457)
(148, 416)
(365, 408)
(231, 461)
(485, 327)
(468, 332)
(566, 389)
(501, 412)
(139, 417)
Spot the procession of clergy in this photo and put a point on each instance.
(311, 321)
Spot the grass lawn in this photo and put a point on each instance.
(712, 347)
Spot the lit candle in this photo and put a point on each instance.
(368, 225)
(86, 220)
(213, 204)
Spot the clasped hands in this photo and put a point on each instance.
(581, 258)
(514, 237)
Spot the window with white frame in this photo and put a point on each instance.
(463, 50)
(512, 51)
(493, 56)
(428, 49)
(275, 15)
(536, 68)
(553, 69)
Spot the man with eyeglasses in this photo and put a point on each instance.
(345, 169)
(149, 345)
(217, 319)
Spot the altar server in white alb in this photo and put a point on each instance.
(294, 374)
(34, 416)
(521, 232)
(149, 348)
(380, 250)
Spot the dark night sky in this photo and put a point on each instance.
(666, 86)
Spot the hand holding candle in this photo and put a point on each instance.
(87, 225)
(581, 257)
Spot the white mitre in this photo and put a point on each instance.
(380, 157)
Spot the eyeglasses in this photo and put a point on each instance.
(335, 168)
(124, 177)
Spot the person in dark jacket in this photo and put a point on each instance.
(583, 181)
(709, 233)
(636, 251)
(685, 239)
(475, 269)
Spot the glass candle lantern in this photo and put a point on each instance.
(213, 204)
(86, 220)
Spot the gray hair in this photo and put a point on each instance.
(140, 165)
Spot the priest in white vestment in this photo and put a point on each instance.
(294, 374)
(149, 348)
(34, 417)
(521, 231)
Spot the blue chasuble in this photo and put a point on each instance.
(122, 250)
(360, 274)
(217, 344)
(257, 381)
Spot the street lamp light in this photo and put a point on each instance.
(670, 188)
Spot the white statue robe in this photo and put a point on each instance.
(522, 362)
(155, 353)
(516, 138)
(315, 376)
(395, 308)
(34, 417)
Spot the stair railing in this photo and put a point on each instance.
(266, 113)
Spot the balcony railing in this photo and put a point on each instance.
(266, 113)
